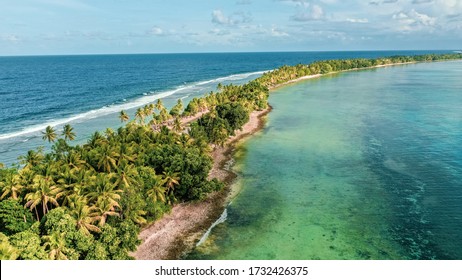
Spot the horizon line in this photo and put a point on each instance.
(225, 52)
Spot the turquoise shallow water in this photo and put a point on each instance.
(358, 165)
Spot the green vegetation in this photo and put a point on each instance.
(287, 73)
(90, 201)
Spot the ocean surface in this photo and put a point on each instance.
(88, 92)
(358, 165)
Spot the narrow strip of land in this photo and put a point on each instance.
(177, 232)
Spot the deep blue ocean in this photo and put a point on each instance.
(89, 91)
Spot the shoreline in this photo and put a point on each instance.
(177, 232)
(296, 80)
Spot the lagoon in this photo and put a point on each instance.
(357, 165)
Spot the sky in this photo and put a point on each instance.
(47, 27)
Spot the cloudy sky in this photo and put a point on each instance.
(29, 27)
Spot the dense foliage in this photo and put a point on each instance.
(90, 201)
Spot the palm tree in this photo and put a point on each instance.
(137, 216)
(185, 140)
(203, 104)
(157, 191)
(170, 180)
(153, 123)
(179, 104)
(126, 153)
(68, 180)
(11, 186)
(107, 158)
(49, 134)
(68, 132)
(102, 190)
(43, 191)
(96, 139)
(123, 116)
(159, 105)
(139, 115)
(56, 245)
(32, 158)
(148, 109)
(105, 209)
(164, 115)
(177, 125)
(126, 174)
(7, 251)
(84, 215)
(74, 160)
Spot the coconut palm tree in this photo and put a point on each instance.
(148, 109)
(140, 116)
(123, 116)
(7, 251)
(109, 133)
(32, 158)
(68, 132)
(84, 215)
(55, 244)
(96, 139)
(157, 190)
(44, 191)
(11, 186)
(74, 160)
(105, 209)
(49, 134)
(126, 174)
(203, 104)
(185, 140)
(107, 158)
(102, 189)
(126, 153)
(177, 125)
(159, 105)
(170, 180)
(137, 216)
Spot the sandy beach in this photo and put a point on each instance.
(177, 232)
(296, 80)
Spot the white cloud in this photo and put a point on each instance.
(156, 31)
(329, 2)
(10, 38)
(357, 20)
(423, 18)
(414, 21)
(422, 1)
(219, 32)
(275, 32)
(309, 13)
(218, 17)
(449, 6)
